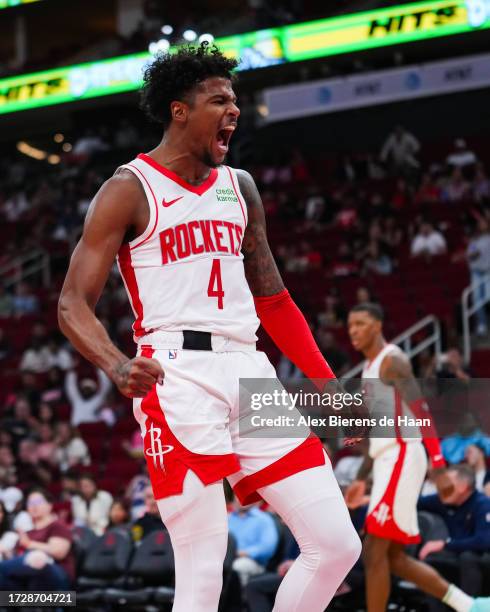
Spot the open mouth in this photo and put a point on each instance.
(223, 138)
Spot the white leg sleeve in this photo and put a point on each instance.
(197, 523)
(312, 506)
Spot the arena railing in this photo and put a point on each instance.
(467, 311)
(24, 266)
(406, 341)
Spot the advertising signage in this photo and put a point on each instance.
(315, 39)
(9, 3)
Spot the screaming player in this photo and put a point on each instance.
(190, 240)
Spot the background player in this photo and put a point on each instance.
(399, 465)
(193, 291)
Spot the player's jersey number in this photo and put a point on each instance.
(215, 287)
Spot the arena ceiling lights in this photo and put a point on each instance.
(314, 39)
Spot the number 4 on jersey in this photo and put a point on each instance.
(215, 287)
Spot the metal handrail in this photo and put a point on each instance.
(19, 268)
(468, 311)
(404, 340)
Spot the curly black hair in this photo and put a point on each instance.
(173, 76)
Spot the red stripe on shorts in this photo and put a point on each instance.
(307, 455)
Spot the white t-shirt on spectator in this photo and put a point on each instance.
(461, 159)
(86, 410)
(95, 514)
(74, 453)
(433, 244)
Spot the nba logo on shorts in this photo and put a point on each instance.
(172, 354)
(157, 449)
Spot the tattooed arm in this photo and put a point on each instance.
(261, 271)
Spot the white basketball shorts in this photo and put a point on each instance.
(191, 423)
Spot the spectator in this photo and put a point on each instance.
(6, 302)
(478, 255)
(88, 144)
(56, 355)
(134, 446)
(21, 422)
(261, 589)
(315, 205)
(428, 242)
(86, 400)
(461, 157)
(135, 492)
(35, 358)
(46, 415)
(481, 186)
(451, 365)
(47, 447)
(287, 371)
(90, 507)
(428, 191)
(399, 152)
(344, 264)
(335, 357)
(333, 314)
(54, 387)
(346, 470)
(475, 458)
(8, 538)
(69, 485)
(466, 514)
(456, 188)
(392, 235)
(256, 535)
(44, 559)
(375, 261)
(71, 450)
(119, 514)
(31, 470)
(150, 521)
(24, 301)
(363, 295)
(454, 446)
(8, 469)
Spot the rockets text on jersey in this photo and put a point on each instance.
(185, 271)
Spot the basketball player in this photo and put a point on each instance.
(399, 466)
(190, 240)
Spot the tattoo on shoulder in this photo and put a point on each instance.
(261, 270)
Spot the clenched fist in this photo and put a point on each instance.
(136, 377)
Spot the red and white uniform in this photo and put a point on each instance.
(185, 272)
(400, 463)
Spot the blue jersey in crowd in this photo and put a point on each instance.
(468, 524)
(255, 533)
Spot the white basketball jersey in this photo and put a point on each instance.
(185, 271)
(383, 399)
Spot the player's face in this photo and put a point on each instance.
(363, 329)
(212, 119)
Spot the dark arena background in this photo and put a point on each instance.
(366, 126)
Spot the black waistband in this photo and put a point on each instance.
(197, 340)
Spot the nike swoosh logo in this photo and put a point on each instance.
(170, 202)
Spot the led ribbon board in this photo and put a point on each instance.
(314, 39)
(9, 3)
